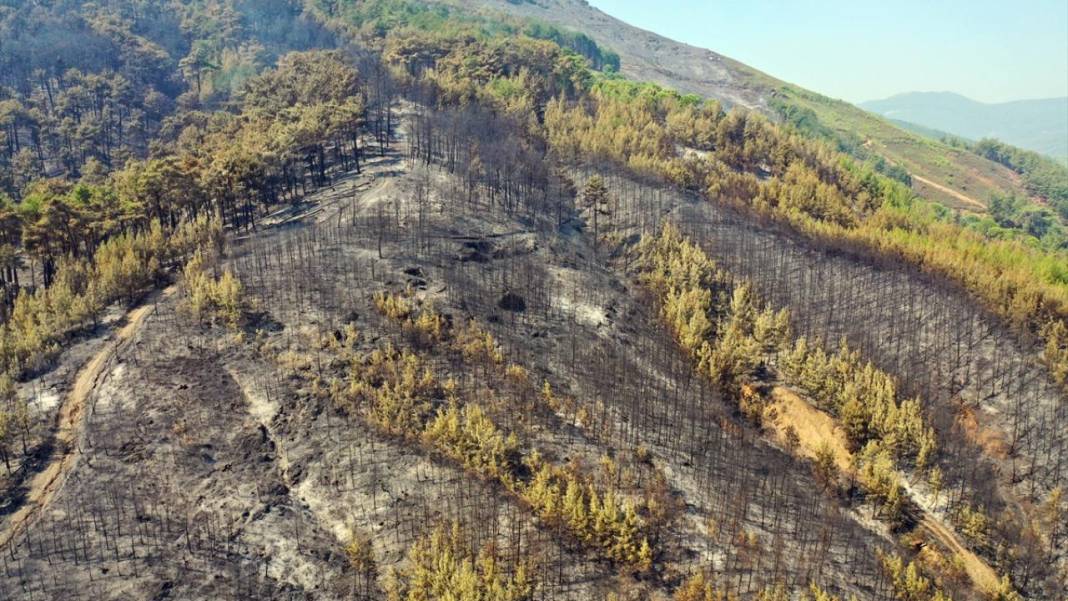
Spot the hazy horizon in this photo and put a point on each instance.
(907, 92)
(863, 51)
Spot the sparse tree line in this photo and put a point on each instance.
(122, 268)
(442, 565)
(209, 296)
(398, 392)
(699, 587)
(15, 422)
(316, 269)
(864, 399)
(741, 158)
(708, 311)
(908, 581)
(740, 345)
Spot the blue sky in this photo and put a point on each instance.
(989, 50)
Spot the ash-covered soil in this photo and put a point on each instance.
(43, 398)
(569, 314)
(212, 465)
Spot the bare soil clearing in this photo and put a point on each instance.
(814, 427)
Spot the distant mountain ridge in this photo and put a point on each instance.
(1039, 125)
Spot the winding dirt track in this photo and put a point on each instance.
(70, 423)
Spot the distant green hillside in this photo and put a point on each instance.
(946, 173)
(1043, 177)
(1037, 125)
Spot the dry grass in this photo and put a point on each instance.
(813, 427)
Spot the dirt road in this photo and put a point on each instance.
(961, 197)
(981, 574)
(814, 428)
(69, 423)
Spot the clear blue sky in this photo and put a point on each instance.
(989, 50)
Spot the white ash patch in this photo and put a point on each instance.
(47, 401)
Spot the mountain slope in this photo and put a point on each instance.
(647, 56)
(1038, 125)
(453, 349)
